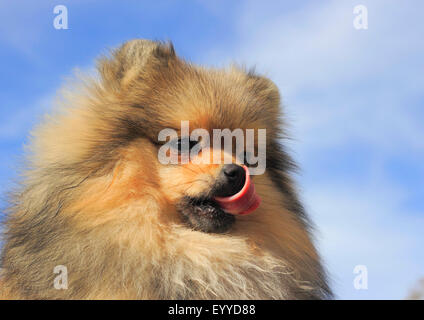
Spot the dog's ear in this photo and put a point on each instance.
(264, 89)
(131, 59)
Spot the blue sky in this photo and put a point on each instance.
(353, 100)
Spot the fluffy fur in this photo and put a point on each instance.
(95, 199)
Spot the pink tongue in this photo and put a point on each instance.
(243, 202)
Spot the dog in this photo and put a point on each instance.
(95, 199)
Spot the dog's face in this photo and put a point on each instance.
(160, 91)
(146, 89)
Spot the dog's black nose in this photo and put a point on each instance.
(231, 180)
(233, 172)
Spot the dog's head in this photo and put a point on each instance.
(192, 114)
(140, 126)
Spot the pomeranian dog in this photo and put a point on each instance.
(96, 201)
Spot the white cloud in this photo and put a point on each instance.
(366, 225)
(316, 45)
(316, 50)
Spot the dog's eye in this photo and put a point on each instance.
(183, 144)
